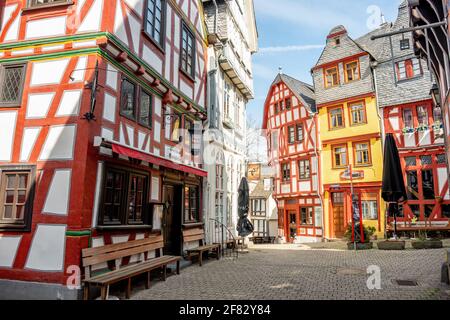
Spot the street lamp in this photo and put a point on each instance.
(436, 96)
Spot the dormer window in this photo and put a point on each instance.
(331, 77)
(404, 44)
(337, 42)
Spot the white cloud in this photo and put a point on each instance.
(292, 48)
(263, 72)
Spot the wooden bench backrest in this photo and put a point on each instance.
(93, 256)
(197, 234)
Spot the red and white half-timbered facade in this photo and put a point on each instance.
(67, 182)
(420, 139)
(291, 123)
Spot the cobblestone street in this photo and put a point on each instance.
(300, 272)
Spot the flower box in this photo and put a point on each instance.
(360, 246)
(391, 245)
(427, 244)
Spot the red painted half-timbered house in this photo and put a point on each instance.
(290, 121)
(101, 102)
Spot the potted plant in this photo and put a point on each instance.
(423, 242)
(423, 128)
(392, 244)
(408, 130)
(368, 233)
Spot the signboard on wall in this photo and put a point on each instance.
(254, 172)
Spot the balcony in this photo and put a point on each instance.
(236, 71)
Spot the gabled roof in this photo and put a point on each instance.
(379, 48)
(303, 91)
(260, 192)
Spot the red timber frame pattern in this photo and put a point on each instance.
(287, 194)
(84, 51)
(394, 122)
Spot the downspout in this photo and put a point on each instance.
(319, 182)
(383, 133)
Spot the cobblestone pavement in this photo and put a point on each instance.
(300, 272)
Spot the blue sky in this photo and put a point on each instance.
(292, 34)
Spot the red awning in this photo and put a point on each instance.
(135, 154)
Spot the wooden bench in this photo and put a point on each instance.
(198, 234)
(104, 254)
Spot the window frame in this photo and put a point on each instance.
(18, 102)
(307, 173)
(299, 128)
(150, 112)
(409, 73)
(162, 44)
(185, 27)
(135, 100)
(54, 3)
(333, 155)
(291, 135)
(261, 212)
(124, 221)
(364, 110)
(188, 187)
(346, 71)
(325, 72)
(330, 121)
(284, 171)
(25, 226)
(369, 163)
(309, 215)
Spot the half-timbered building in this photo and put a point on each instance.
(100, 105)
(232, 39)
(291, 124)
(350, 135)
(403, 83)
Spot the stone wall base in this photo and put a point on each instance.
(24, 290)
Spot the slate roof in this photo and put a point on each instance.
(303, 91)
(259, 191)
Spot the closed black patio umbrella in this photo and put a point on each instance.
(244, 226)
(393, 190)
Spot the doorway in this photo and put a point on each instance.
(171, 227)
(338, 200)
(292, 218)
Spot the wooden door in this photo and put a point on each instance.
(338, 215)
(171, 228)
(292, 226)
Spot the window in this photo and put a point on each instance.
(422, 116)
(412, 185)
(331, 77)
(288, 104)
(16, 197)
(291, 135)
(410, 161)
(300, 136)
(281, 106)
(370, 209)
(187, 51)
(426, 160)
(227, 101)
(408, 118)
(340, 156)
(37, 3)
(155, 19)
(441, 159)
(128, 99)
(408, 69)
(219, 207)
(259, 207)
(286, 171)
(306, 216)
(219, 177)
(404, 44)
(145, 109)
(351, 71)
(358, 114)
(304, 169)
(12, 79)
(337, 42)
(124, 197)
(191, 204)
(428, 184)
(259, 227)
(362, 154)
(276, 108)
(337, 118)
(190, 137)
(176, 128)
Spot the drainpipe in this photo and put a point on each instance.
(313, 116)
(383, 133)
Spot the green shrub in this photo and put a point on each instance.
(368, 232)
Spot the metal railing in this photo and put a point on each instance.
(220, 234)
